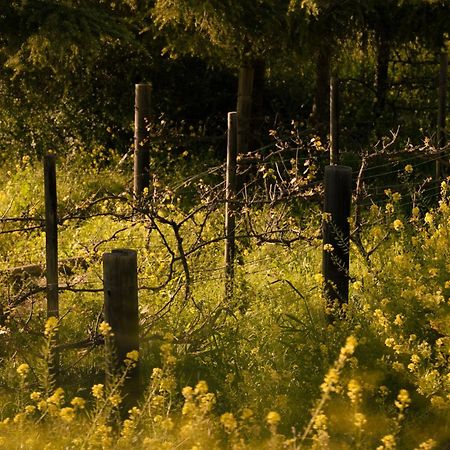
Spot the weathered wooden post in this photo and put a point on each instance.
(142, 113)
(230, 205)
(122, 314)
(336, 233)
(441, 136)
(51, 235)
(51, 249)
(244, 107)
(334, 120)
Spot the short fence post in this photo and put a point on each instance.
(336, 233)
(122, 314)
(230, 206)
(142, 113)
(334, 120)
(51, 248)
(441, 137)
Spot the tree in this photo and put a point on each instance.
(62, 62)
(232, 34)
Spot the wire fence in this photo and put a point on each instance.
(183, 246)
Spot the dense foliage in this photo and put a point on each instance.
(275, 365)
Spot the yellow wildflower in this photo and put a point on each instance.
(97, 390)
(35, 396)
(428, 218)
(105, 329)
(228, 422)
(30, 409)
(51, 326)
(409, 168)
(403, 400)
(78, 403)
(132, 358)
(273, 418)
(354, 391)
(201, 388)
(115, 399)
(398, 225)
(67, 414)
(23, 370)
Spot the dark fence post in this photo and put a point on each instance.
(441, 136)
(334, 120)
(122, 314)
(51, 249)
(336, 233)
(142, 113)
(230, 206)
(51, 235)
(244, 107)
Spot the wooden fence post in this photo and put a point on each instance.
(142, 113)
(51, 235)
(334, 120)
(441, 136)
(230, 206)
(244, 107)
(336, 233)
(51, 249)
(122, 314)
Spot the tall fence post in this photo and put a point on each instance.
(334, 120)
(244, 107)
(336, 233)
(230, 206)
(441, 136)
(122, 314)
(142, 113)
(51, 248)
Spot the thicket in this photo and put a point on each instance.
(266, 370)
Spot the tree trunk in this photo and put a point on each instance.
(382, 76)
(257, 119)
(319, 113)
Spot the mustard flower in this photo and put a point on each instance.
(201, 388)
(115, 399)
(35, 396)
(320, 422)
(318, 278)
(67, 414)
(132, 358)
(105, 329)
(228, 422)
(273, 418)
(360, 420)
(389, 208)
(23, 370)
(246, 414)
(388, 442)
(409, 168)
(354, 391)
(97, 390)
(403, 400)
(51, 326)
(398, 225)
(30, 409)
(78, 403)
(428, 218)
